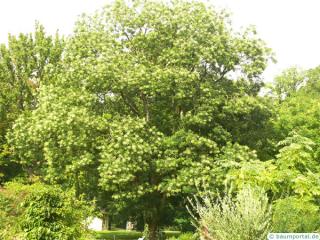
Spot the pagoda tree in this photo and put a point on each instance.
(156, 100)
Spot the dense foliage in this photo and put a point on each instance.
(296, 214)
(39, 211)
(27, 62)
(148, 103)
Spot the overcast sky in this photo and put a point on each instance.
(290, 27)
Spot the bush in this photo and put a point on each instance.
(246, 217)
(40, 211)
(11, 197)
(294, 214)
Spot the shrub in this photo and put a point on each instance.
(40, 211)
(11, 197)
(294, 214)
(245, 217)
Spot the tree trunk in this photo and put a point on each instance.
(153, 231)
(105, 221)
(77, 186)
(153, 217)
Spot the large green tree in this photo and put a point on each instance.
(157, 97)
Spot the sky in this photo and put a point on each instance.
(289, 27)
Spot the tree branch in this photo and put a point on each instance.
(131, 106)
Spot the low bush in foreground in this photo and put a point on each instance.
(294, 214)
(245, 217)
(39, 212)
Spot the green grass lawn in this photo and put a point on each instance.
(123, 234)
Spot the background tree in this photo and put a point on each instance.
(289, 82)
(294, 172)
(299, 112)
(26, 62)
